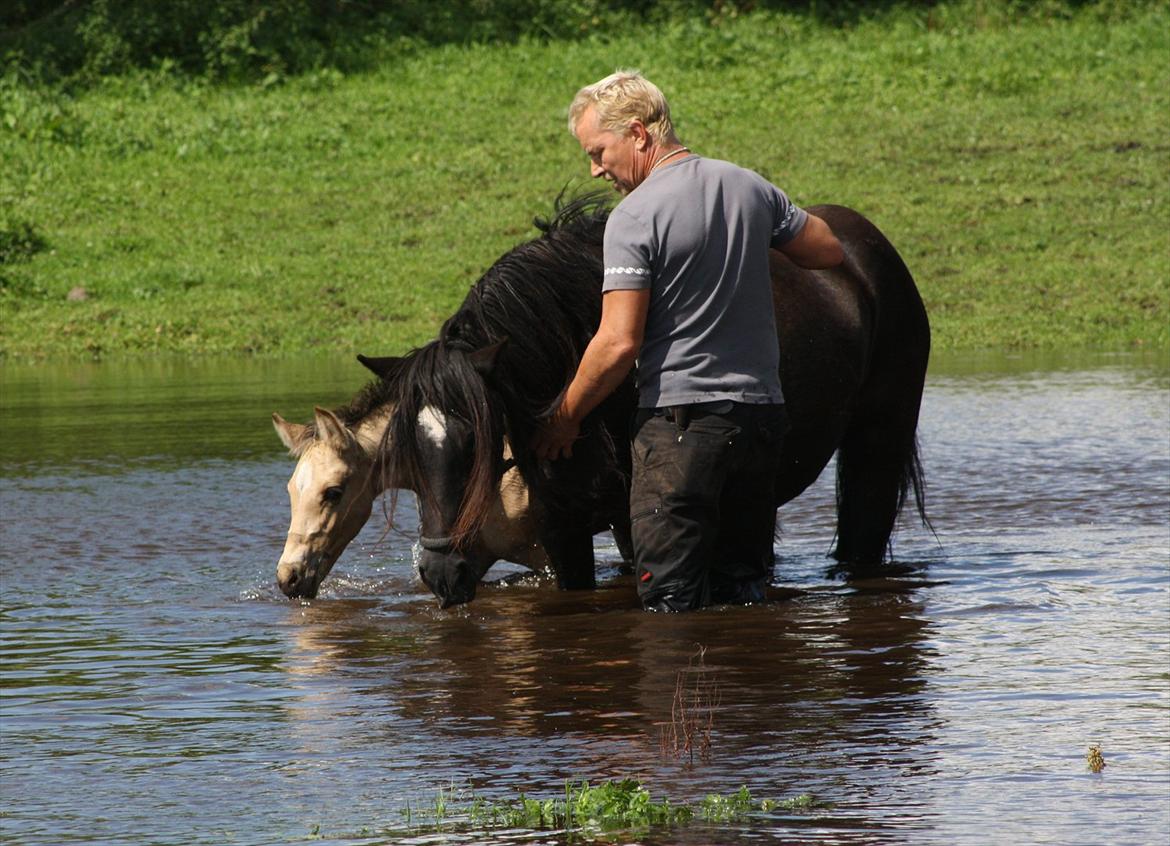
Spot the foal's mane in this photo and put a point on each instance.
(370, 398)
(541, 303)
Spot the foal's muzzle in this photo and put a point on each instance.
(298, 580)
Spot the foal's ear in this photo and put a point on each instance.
(292, 435)
(331, 430)
(484, 359)
(381, 366)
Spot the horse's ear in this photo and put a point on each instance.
(331, 430)
(484, 359)
(380, 366)
(292, 435)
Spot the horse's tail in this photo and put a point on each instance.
(873, 484)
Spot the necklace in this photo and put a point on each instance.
(666, 156)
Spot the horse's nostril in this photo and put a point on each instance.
(292, 579)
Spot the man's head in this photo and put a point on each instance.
(621, 98)
(621, 122)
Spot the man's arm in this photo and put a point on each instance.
(815, 246)
(606, 362)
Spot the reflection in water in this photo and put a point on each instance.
(156, 688)
(99, 417)
(803, 685)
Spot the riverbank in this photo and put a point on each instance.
(1018, 165)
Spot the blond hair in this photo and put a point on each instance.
(620, 98)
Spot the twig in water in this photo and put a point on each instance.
(692, 712)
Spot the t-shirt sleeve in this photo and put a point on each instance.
(788, 219)
(626, 254)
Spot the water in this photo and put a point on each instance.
(158, 689)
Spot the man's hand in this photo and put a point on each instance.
(605, 363)
(555, 438)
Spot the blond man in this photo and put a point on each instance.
(687, 296)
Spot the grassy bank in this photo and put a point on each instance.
(1020, 165)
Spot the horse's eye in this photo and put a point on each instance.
(333, 494)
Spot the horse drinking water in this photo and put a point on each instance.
(338, 477)
(854, 342)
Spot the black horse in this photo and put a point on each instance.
(854, 343)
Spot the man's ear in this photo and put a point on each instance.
(641, 135)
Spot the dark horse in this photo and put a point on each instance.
(854, 343)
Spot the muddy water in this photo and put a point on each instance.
(158, 689)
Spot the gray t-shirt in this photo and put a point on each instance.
(696, 232)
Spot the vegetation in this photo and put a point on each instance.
(341, 195)
(692, 711)
(612, 806)
(80, 41)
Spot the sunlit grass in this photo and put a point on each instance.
(1021, 168)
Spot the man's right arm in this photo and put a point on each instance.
(815, 246)
(605, 364)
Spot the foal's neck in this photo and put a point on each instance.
(369, 432)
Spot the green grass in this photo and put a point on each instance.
(1019, 163)
(612, 806)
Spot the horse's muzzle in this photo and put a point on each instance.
(450, 577)
(297, 581)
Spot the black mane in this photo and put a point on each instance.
(541, 302)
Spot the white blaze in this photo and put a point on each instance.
(304, 476)
(433, 425)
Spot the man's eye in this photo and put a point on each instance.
(333, 494)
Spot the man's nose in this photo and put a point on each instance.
(595, 170)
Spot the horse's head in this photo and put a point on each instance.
(331, 492)
(447, 439)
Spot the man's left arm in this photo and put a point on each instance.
(606, 362)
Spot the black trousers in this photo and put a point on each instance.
(702, 502)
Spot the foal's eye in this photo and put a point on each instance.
(333, 494)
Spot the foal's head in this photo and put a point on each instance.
(332, 492)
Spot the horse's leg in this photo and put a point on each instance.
(570, 552)
(877, 465)
(621, 536)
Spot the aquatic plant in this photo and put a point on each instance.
(623, 804)
(692, 712)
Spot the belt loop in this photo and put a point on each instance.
(682, 417)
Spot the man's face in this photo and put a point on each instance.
(611, 154)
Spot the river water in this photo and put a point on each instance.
(157, 688)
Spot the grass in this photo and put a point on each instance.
(1019, 163)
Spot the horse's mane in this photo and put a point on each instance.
(541, 303)
(370, 398)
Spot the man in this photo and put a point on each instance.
(687, 295)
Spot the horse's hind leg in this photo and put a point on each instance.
(877, 464)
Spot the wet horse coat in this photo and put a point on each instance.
(854, 343)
